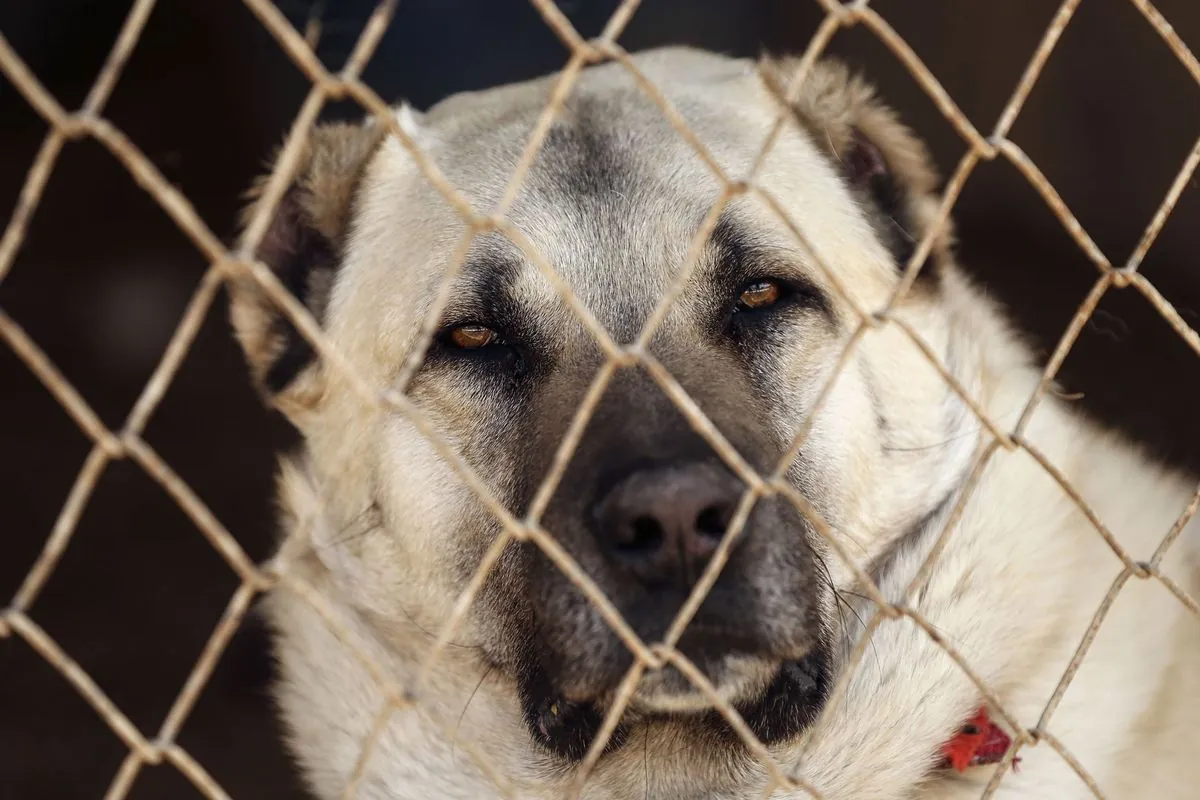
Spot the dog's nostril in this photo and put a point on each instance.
(645, 535)
(711, 522)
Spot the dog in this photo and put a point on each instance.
(383, 528)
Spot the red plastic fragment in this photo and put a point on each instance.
(979, 741)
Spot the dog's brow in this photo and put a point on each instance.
(738, 255)
(731, 244)
(483, 288)
(490, 263)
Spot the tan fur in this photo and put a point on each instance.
(376, 514)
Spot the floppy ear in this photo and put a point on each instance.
(303, 246)
(885, 165)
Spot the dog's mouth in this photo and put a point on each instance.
(776, 702)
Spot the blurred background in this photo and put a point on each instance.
(104, 275)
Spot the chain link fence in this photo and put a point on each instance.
(128, 442)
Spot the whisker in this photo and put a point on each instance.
(462, 716)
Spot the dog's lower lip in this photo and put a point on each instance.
(797, 682)
(789, 704)
(793, 700)
(806, 673)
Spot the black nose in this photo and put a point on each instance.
(662, 525)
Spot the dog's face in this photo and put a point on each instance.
(612, 202)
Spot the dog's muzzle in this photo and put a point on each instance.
(650, 537)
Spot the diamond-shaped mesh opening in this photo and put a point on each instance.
(127, 441)
(57, 724)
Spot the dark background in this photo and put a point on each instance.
(104, 275)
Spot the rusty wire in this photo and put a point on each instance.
(127, 442)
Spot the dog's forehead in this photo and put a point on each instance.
(614, 196)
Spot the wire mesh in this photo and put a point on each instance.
(128, 443)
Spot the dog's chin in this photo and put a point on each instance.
(735, 679)
(777, 700)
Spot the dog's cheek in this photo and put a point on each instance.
(426, 509)
(803, 384)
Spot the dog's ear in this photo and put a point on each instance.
(885, 165)
(303, 247)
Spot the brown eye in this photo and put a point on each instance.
(473, 337)
(760, 294)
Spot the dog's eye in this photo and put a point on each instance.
(759, 295)
(487, 350)
(472, 337)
